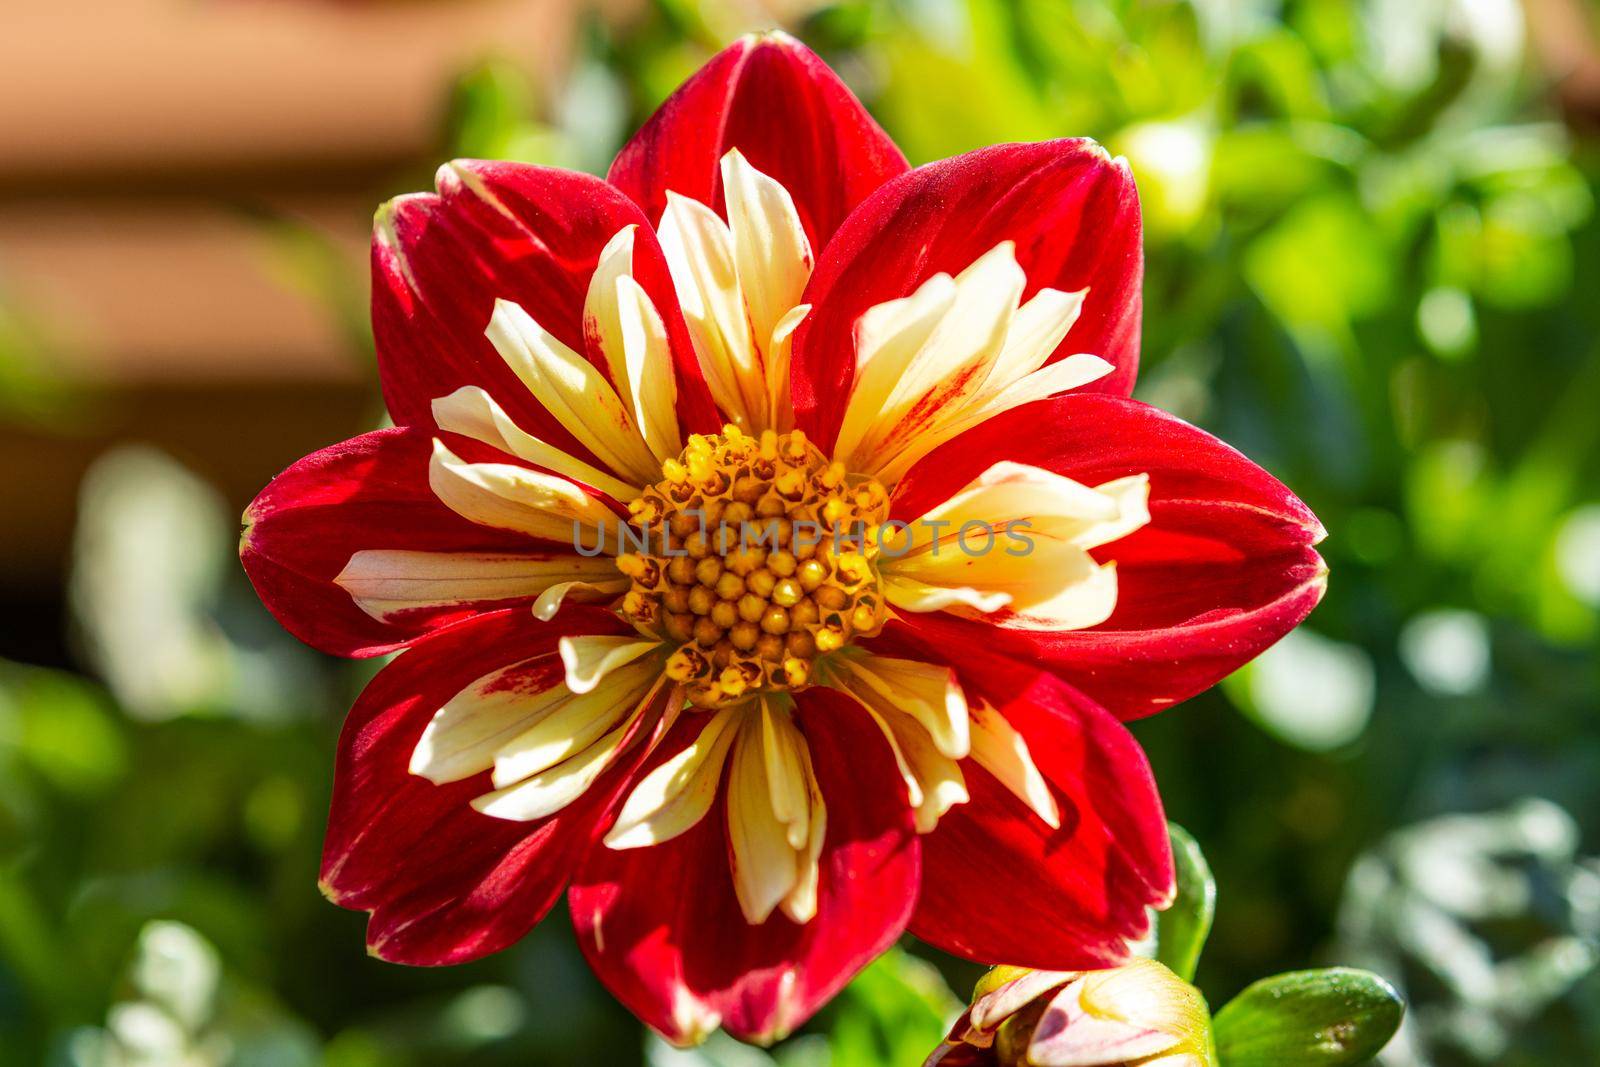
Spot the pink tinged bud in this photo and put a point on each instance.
(1138, 1015)
(992, 1007)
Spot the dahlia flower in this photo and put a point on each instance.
(1136, 1015)
(775, 552)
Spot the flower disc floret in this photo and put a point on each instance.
(756, 555)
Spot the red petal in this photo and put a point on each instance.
(444, 883)
(1072, 211)
(1224, 569)
(769, 96)
(997, 882)
(369, 492)
(961, 1055)
(663, 930)
(503, 230)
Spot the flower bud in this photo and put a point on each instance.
(1137, 1015)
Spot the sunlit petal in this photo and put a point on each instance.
(463, 736)
(572, 390)
(999, 748)
(674, 797)
(509, 497)
(389, 582)
(588, 659)
(577, 723)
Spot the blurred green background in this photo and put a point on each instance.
(1373, 265)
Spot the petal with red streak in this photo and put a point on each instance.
(1225, 567)
(443, 883)
(370, 492)
(1001, 884)
(959, 1054)
(662, 928)
(769, 96)
(1072, 211)
(512, 231)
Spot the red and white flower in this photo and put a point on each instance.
(756, 765)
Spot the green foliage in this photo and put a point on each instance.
(495, 115)
(1309, 1018)
(1182, 929)
(895, 1012)
(58, 728)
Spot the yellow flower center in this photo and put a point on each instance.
(755, 556)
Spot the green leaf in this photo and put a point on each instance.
(1323, 266)
(60, 726)
(1182, 929)
(494, 114)
(1310, 1019)
(894, 1012)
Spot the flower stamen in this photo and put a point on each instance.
(755, 555)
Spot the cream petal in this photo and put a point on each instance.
(472, 412)
(908, 594)
(573, 726)
(1178, 1059)
(951, 367)
(990, 1011)
(955, 353)
(1142, 993)
(548, 792)
(888, 337)
(602, 319)
(781, 748)
(1057, 378)
(1004, 495)
(801, 903)
(674, 797)
(1036, 331)
(385, 583)
(738, 284)
(934, 782)
(463, 736)
(575, 393)
(764, 862)
(1055, 586)
(1087, 595)
(971, 336)
(1095, 1034)
(589, 658)
(1132, 495)
(652, 385)
(1035, 531)
(509, 497)
(550, 601)
(927, 692)
(770, 250)
(780, 405)
(999, 748)
(700, 255)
